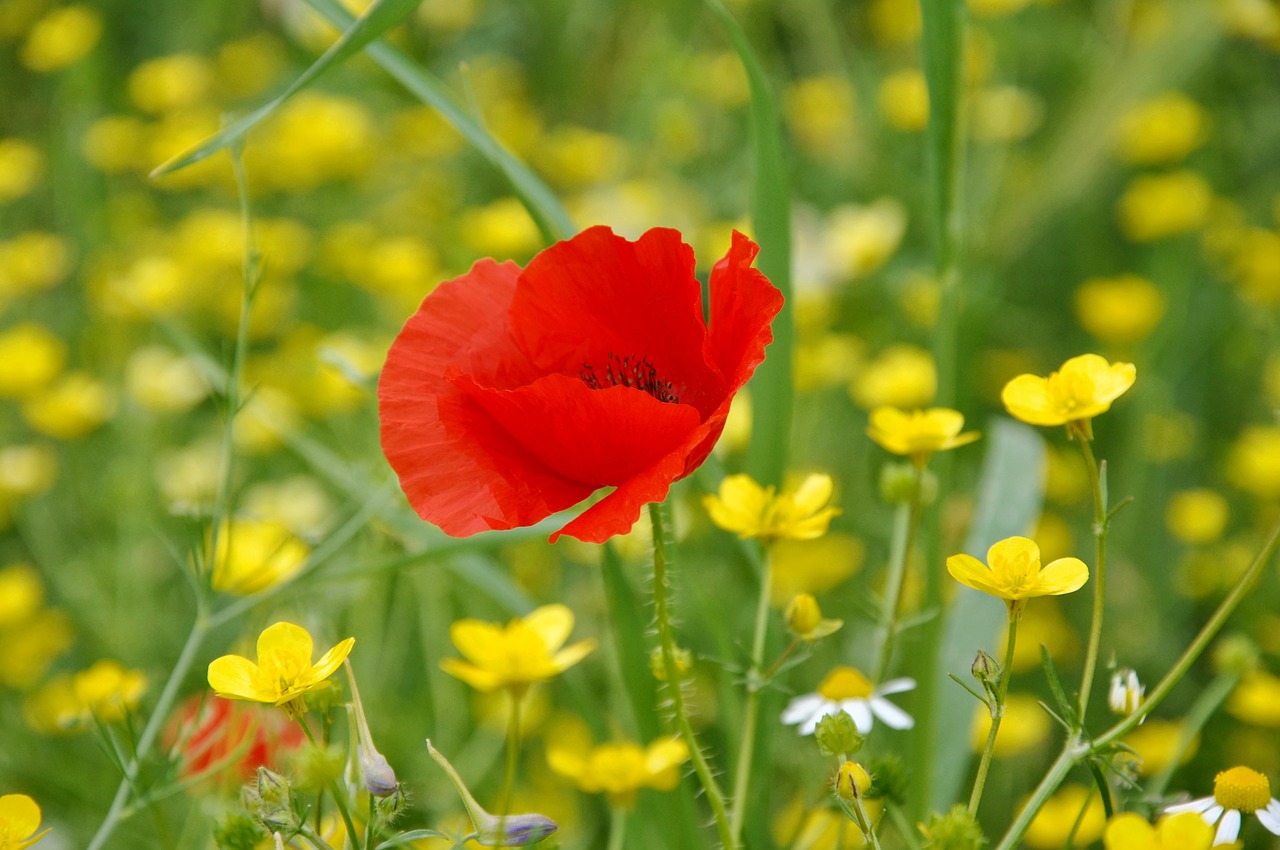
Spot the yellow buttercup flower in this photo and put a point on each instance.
(284, 672)
(253, 556)
(1084, 387)
(19, 822)
(106, 691)
(1119, 310)
(1074, 810)
(918, 433)
(744, 507)
(1162, 130)
(526, 650)
(1186, 831)
(1013, 573)
(619, 770)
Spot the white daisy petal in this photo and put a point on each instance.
(895, 686)
(1212, 814)
(1270, 817)
(861, 714)
(811, 725)
(894, 717)
(1228, 829)
(801, 708)
(1199, 806)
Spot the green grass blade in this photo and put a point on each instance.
(771, 389)
(627, 628)
(1010, 493)
(377, 19)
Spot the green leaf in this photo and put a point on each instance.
(1065, 708)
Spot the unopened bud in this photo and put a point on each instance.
(1126, 691)
(987, 671)
(852, 781)
(271, 802)
(956, 830)
(379, 778)
(837, 735)
(515, 830)
(683, 659)
(897, 483)
(393, 805)
(803, 614)
(272, 788)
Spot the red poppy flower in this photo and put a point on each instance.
(512, 394)
(230, 739)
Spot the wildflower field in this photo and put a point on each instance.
(774, 426)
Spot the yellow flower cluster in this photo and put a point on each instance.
(284, 672)
(525, 651)
(749, 510)
(105, 692)
(33, 633)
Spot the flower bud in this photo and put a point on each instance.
(897, 483)
(803, 614)
(238, 832)
(837, 735)
(379, 778)
(1126, 691)
(392, 806)
(683, 659)
(515, 830)
(272, 788)
(270, 800)
(851, 782)
(956, 830)
(987, 671)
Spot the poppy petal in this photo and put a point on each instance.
(599, 296)
(459, 468)
(743, 304)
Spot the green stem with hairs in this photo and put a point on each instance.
(755, 683)
(997, 713)
(666, 643)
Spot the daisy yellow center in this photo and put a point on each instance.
(1242, 789)
(845, 683)
(629, 371)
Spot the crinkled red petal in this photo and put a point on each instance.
(598, 294)
(458, 467)
(743, 306)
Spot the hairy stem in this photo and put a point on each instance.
(997, 714)
(755, 682)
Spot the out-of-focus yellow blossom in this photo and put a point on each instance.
(894, 22)
(718, 77)
(1006, 113)
(1184, 831)
(1255, 19)
(1042, 626)
(1081, 389)
(267, 418)
(1054, 535)
(1119, 310)
(1066, 481)
(32, 262)
(70, 409)
(274, 304)
(31, 646)
(1256, 700)
(1157, 206)
(323, 373)
(421, 131)
(61, 38)
(448, 16)
(995, 8)
(249, 65)
(19, 822)
(1156, 743)
(619, 770)
(860, 239)
(804, 619)
(21, 594)
(1168, 435)
(920, 299)
(180, 130)
(1061, 816)
(1213, 570)
(917, 434)
(902, 376)
(526, 650)
(26, 470)
(1197, 516)
(299, 502)
(21, 166)
(399, 268)
(32, 358)
(255, 555)
(115, 144)
(1254, 266)
(106, 691)
(1013, 573)
(574, 157)
(1162, 130)
(502, 228)
(819, 112)
(1024, 727)
(829, 360)
(284, 673)
(813, 566)
(1271, 380)
(802, 824)
(170, 82)
(188, 477)
(903, 98)
(1253, 463)
(744, 507)
(163, 380)
(313, 139)
(212, 240)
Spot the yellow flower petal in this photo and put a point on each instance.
(1184, 831)
(1027, 398)
(971, 572)
(1064, 575)
(232, 677)
(571, 655)
(330, 661)
(814, 492)
(287, 639)
(19, 818)
(480, 642)
(1128, 831)
(481, 680)
(553, 623)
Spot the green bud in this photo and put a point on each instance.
(837, 735)
(684, 661)
(987, 671)
(270, 800)
(897, 483)
(238, 832)
(392, 806)
(272, 789)
(315, 767)
(1235, 654)
(956, 830)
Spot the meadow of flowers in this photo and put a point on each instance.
(784, 426)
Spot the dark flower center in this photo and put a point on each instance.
(629, 371)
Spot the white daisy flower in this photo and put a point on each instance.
(1236, 792)
(846, 689)
(1126, 692)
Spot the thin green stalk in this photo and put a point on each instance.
(755, 682)
(997, 714)
(512, 762)
(617, 827)
(905, 525)
(1075, 749)
(1099, 573)
(339, 798)
(149, 732)
(666, 642)
(868, 829)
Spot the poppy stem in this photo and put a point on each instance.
(755, 683)
(1100, 521)
(997, 714)
(666, 643)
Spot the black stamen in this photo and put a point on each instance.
(629, 371)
